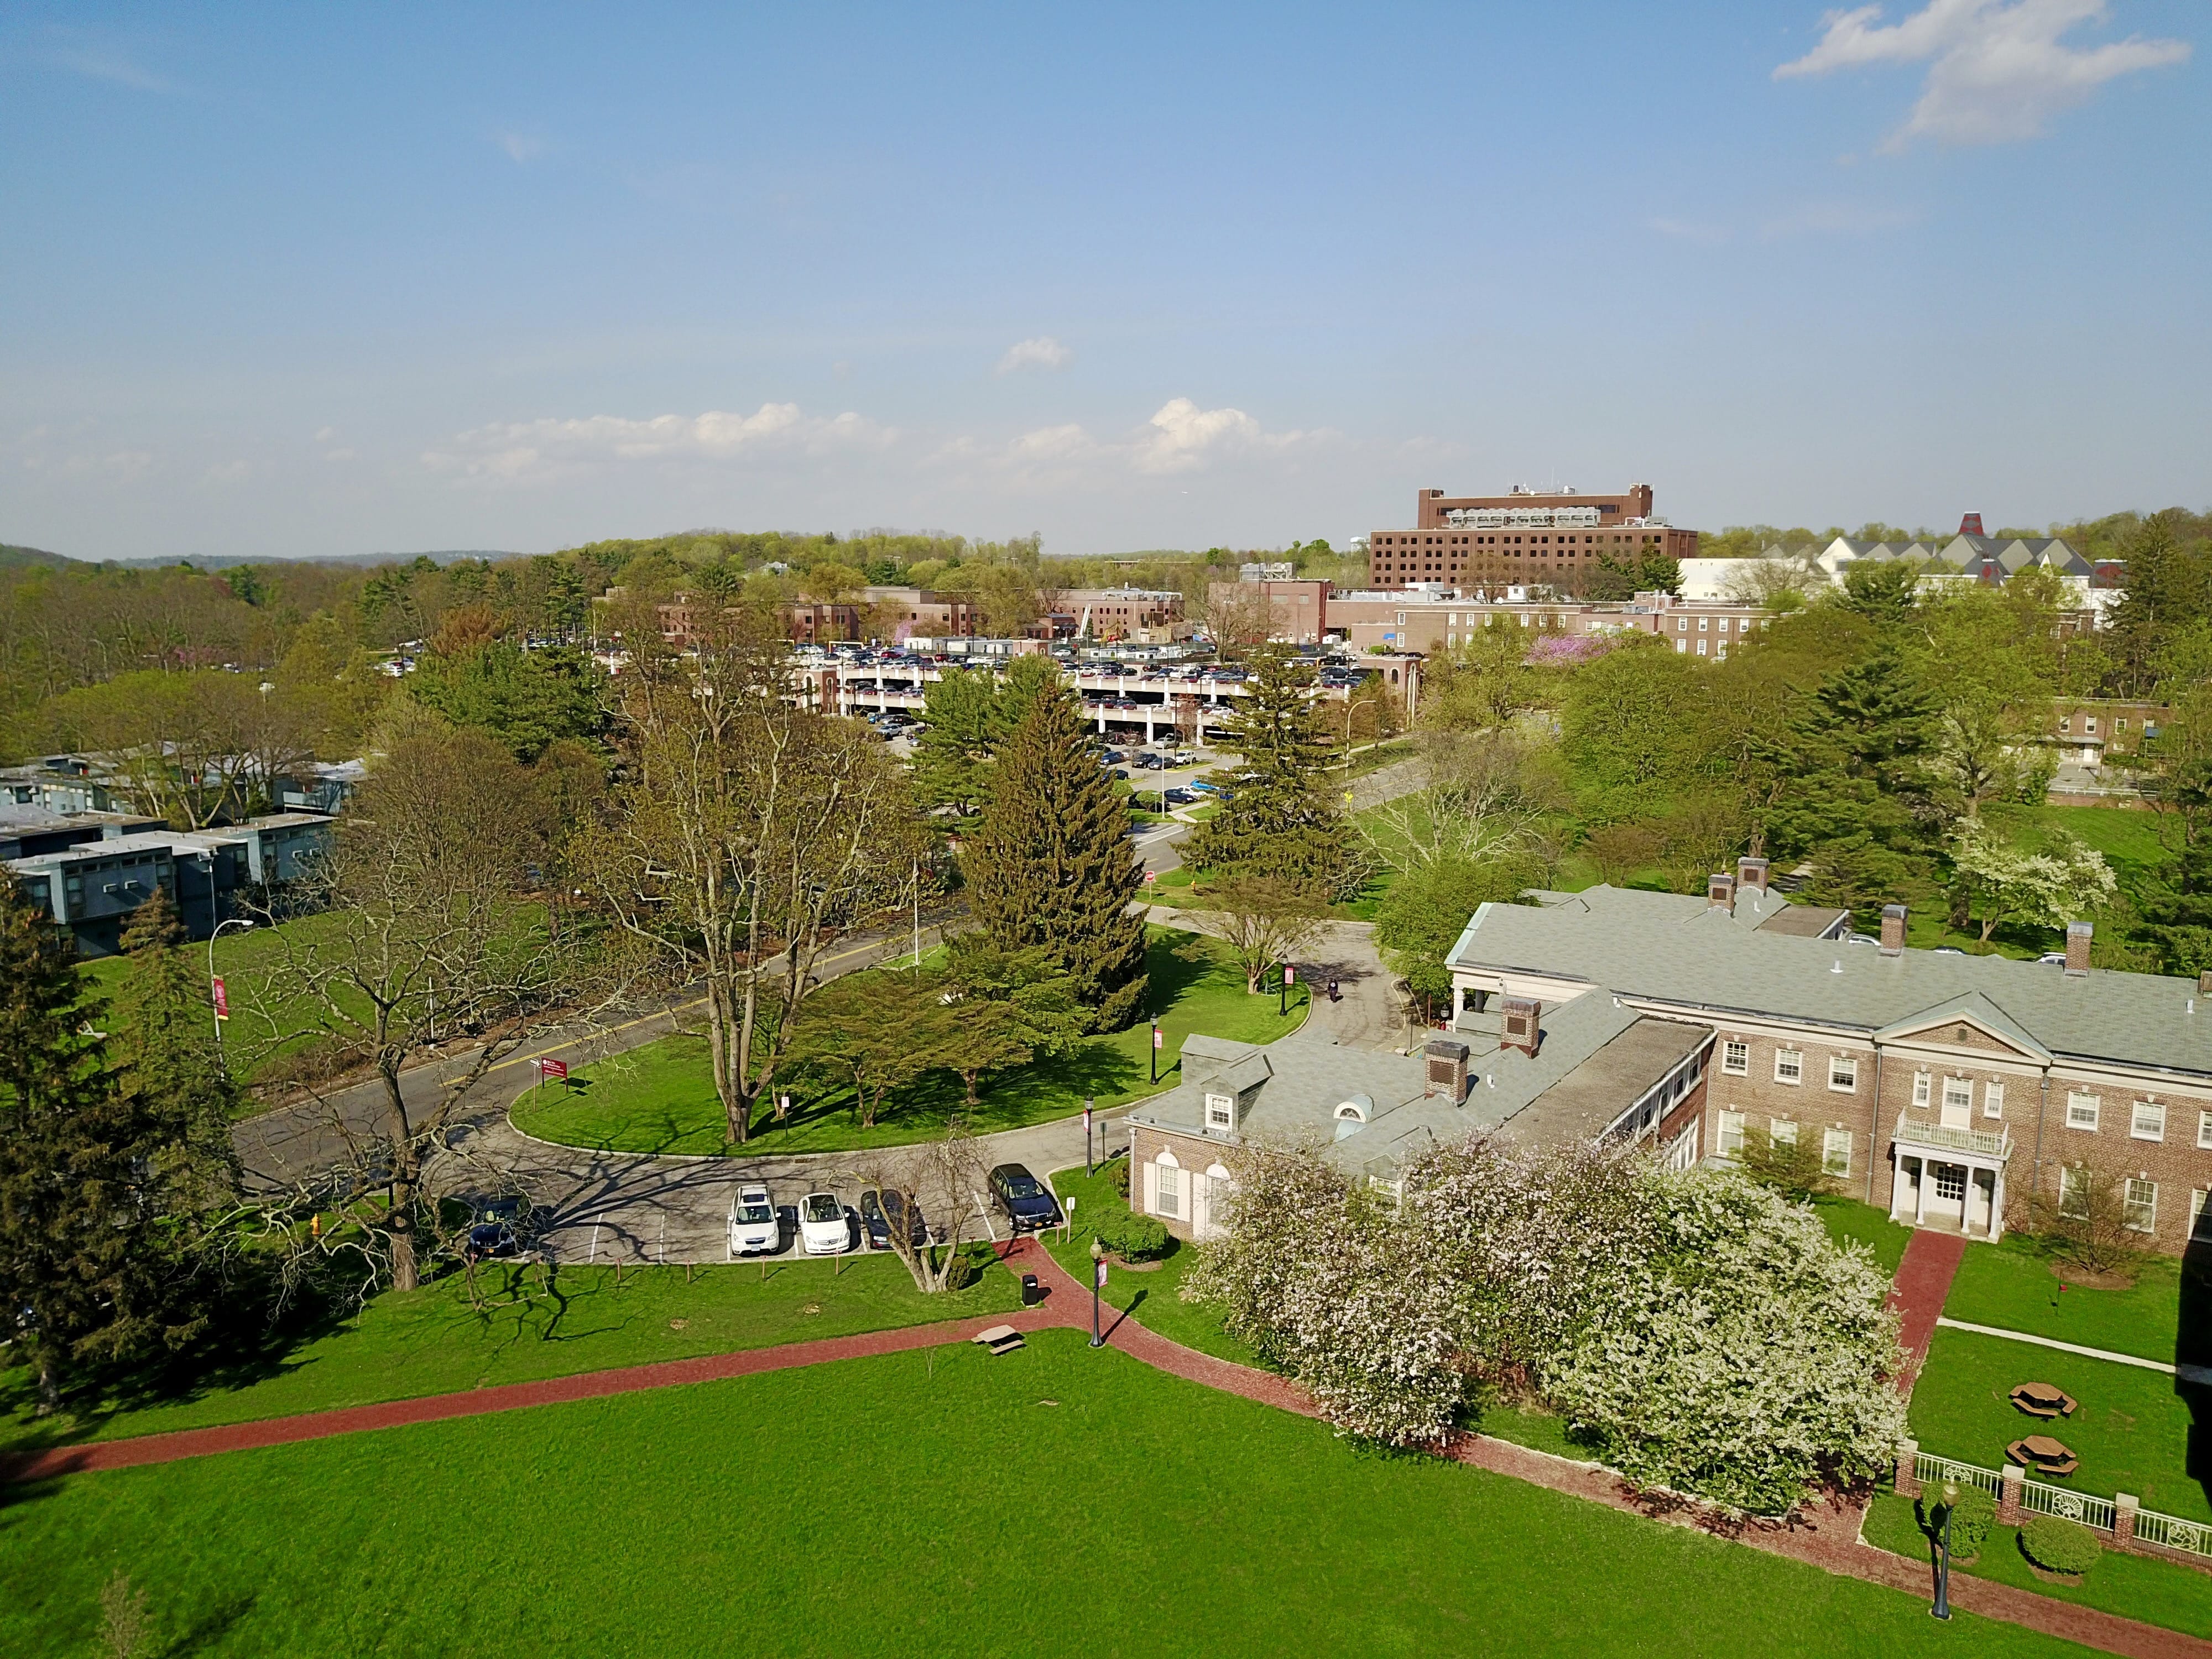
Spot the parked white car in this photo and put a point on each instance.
(753, 1227)
(822, 1226)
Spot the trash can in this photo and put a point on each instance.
(1032, 1292)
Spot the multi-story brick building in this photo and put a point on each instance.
(1948, 1090)
(900, 613)
(1121, 613)
(1431, 620)
(1529, 538)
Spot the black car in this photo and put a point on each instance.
(1179, 797)
(1109, 756)
(1026, 1202)
(1152, 762)
(497, 1229)
(879, 1212)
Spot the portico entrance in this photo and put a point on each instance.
(1949, 1178)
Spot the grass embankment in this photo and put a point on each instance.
(1150, 1293)
(2130, 1428)
(1850, 1222)
(404, 1344)
(2010, 1285)
(896, 1505)
(661, 1099)
(2162, 1592)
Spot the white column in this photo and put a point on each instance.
(1920, 1214)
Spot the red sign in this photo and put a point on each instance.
(1150, 876)
(1290, 974)
(554, 1068)
(1087, 1120)
(221, 1002)
(1102, 1272)
(1159, 1042)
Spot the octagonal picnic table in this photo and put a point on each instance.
(2041, 1400)
(2044, 1456)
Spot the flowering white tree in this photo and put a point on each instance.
(1704, 1332)
(2066, 881)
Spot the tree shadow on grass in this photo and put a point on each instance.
(211, 1625)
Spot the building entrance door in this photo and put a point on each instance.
(1947, 1203)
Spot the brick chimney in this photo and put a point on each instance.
(2077, 948)
(1893, 930)
(1751, 873)
(1447, 1070)
(1720, 892)
(1523, 1025)
(2204, 983)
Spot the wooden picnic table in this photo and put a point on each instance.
(2041, 1400)
(2044, 1455)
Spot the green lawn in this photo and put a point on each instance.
(432, 1341)
(659, 1098)
(2010, 1285)
(1850, 1221)
(2130, 1430)
(2133, 1586)
(242, 957)
(1053, 1500)
(1152, 1297)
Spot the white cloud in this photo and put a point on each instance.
(1180, 438)
(1043, 352)
(1183, 437)
(542, 448)
(229, 472)
(520, 146)
(1997, 69)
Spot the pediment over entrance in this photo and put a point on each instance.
(1971, 1021)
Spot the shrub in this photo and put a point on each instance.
(2057, 1546)
(1121, 1177)
(1972, 1517)
(1133, 1238)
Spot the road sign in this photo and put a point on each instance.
(1150, 876)
(221, 1002)
(554, 1068)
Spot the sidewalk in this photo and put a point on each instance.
(1924, 1280)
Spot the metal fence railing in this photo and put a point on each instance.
(2096, 1512)
(2167, 1531)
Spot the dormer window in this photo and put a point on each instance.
(1220, 1113)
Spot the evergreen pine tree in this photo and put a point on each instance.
(169, 1068)
(1862, 801)
(80, 1265)
(1278, 817)
(1051, 866)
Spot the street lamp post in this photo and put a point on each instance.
(1155, 1048)
(1283, 1006)
(1098, 1283)
(1088, 1169)
(235, 921)
(1942, 1607)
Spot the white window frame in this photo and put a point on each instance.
(2083, 1110)
(1221, 1112)
(1728, 1141)
(1836, 1153)
(2204, 1129)
(1993, 1100)
(1781, 1131)
(2142, 1213)
(2147, 1121)
(1735, 1061)
(1959, 1091)
(1843, 1074)
(1796, 1073)
(2073, 1190)
(1921, 1090)
(1167, 1190)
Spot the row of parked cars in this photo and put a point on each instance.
(825, 1226)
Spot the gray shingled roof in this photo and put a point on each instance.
(1673, 948)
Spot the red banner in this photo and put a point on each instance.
(1159, 1042)
(221, 1002)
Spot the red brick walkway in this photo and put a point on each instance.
(1825, 1537)
(1924, 1280)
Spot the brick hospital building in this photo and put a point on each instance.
(1523, 538)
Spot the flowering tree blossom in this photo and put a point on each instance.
(1704, 1332)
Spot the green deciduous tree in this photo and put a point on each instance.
(1422, 916)
(1051, 866)
(526, 699)
(998, 1007)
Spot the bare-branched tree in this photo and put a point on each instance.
(940, 1181)
(429, 947)
(1485, 797)
(748, 835)
(1269, 922)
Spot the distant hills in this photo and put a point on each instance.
(22, 555)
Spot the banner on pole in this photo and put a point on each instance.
(221, 1001)
(1159, 1042)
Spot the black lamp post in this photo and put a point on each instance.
(1098, 1283)
(1156, 1049)
(1942, 1607)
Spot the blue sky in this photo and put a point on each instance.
(301, 279)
